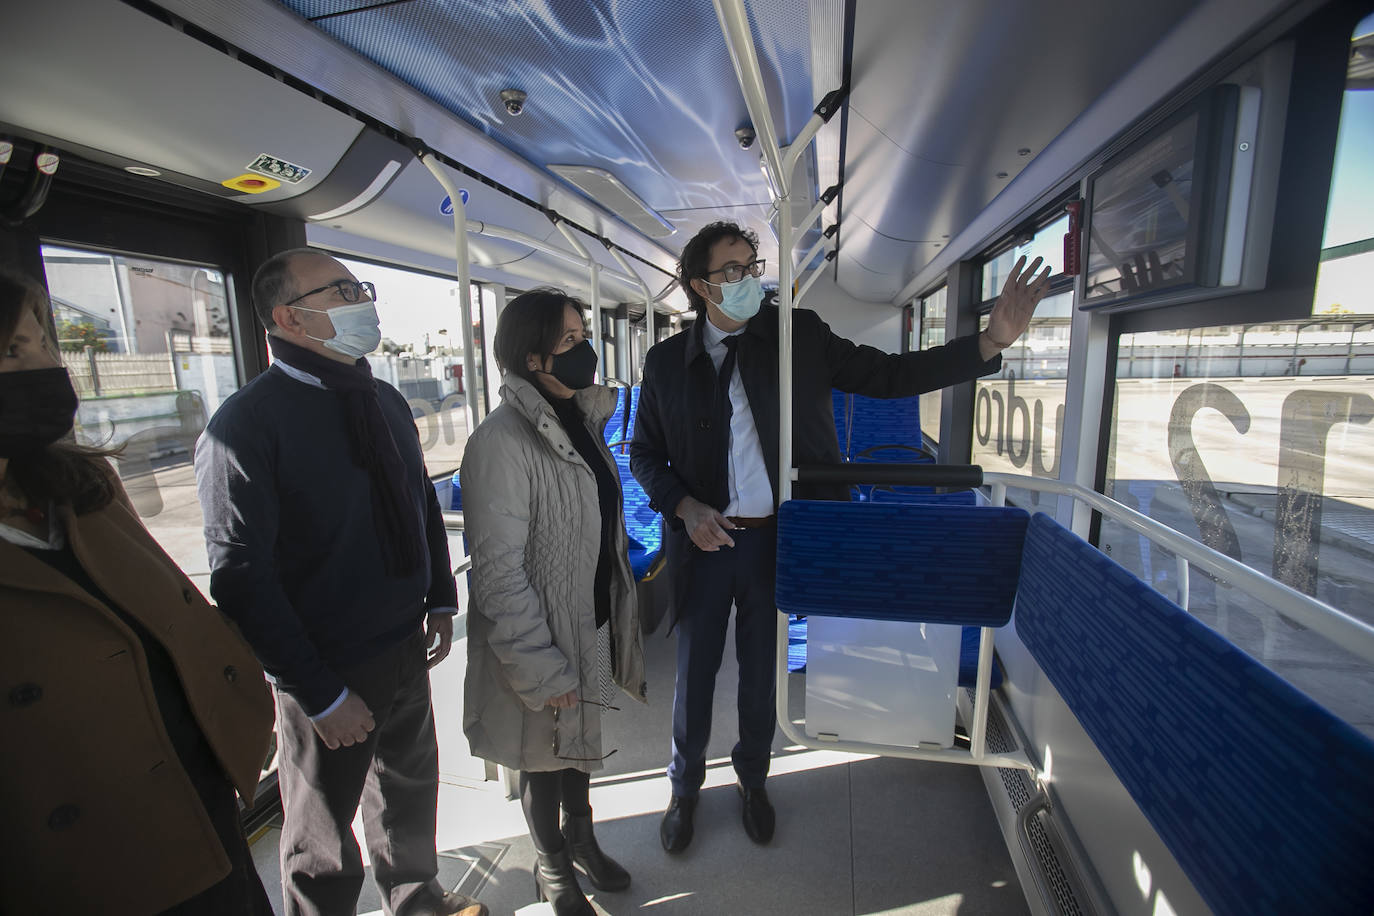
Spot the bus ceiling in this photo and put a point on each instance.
(958, 117)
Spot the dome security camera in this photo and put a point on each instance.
(745, 137)
(514, 100)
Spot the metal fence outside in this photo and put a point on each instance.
(101, 374)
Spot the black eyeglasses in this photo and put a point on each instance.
(580, 759)
(348, 291)
(735, 272)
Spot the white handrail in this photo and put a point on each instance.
(734, 23)
(594, 282)
(811, 253)
(460, 237)
(1351, 634)
(814, 215)
(648, 300)
(799, 143)
(810, 281)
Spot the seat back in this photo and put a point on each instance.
(839, 407)
(931, 563)
(1265, 799)
(886, 430)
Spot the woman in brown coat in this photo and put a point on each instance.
(131, 709)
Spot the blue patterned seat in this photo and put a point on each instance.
(455, 502)
(1264, 797)
(643, 525)
(968, 653)
(938, 564)
(839, 408)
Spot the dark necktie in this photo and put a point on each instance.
(723, 412)
(723, 377)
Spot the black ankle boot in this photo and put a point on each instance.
(606, 874)
(556, 882)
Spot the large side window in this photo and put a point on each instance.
(422, 355)
(930, 332)
(1018, 421)
(149, 347)
(1258, 440)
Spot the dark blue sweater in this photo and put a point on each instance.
(294, 556)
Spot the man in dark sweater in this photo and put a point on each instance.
(327, 548)
(705, 449)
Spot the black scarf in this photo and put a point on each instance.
(373, 449)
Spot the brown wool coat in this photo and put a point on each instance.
(99, 815)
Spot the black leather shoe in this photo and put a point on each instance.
(605, 873)
(556, 882)
(758, 814)
(676, 829)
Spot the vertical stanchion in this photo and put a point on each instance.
(460, 240)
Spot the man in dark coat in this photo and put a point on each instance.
(327, 547)
(705, 449)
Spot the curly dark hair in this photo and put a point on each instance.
(64, 472)
(532, 322)
(696, 256)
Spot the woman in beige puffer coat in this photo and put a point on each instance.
(551, 585)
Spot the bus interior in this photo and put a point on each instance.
(1165, 706)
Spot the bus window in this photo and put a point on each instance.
(149, 347)
(422, 355)
(1257, 440)
(930, 312)
(1048, 244)
(1018, 418)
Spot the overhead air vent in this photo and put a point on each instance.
(607, 190)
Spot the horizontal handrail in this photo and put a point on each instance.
(815, 275)
(538, 244)
(1355, 636)
(912, 475)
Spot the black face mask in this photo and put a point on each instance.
(575, 368)
(36, 409)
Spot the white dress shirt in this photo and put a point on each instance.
(751, 495)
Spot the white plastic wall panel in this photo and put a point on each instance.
(1187, 47)
(945, 95)
(1134, 867)
(881, 681)
(107, 76)
(276, 34)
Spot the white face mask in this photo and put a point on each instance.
(357, 329)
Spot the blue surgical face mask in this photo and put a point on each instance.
(357, 329)
(740, 301)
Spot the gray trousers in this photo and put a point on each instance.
(395, 774)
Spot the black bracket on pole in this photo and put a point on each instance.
(831, 103)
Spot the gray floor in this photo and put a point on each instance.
(854, 836)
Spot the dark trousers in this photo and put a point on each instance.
(395, 774)
(742, 575)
